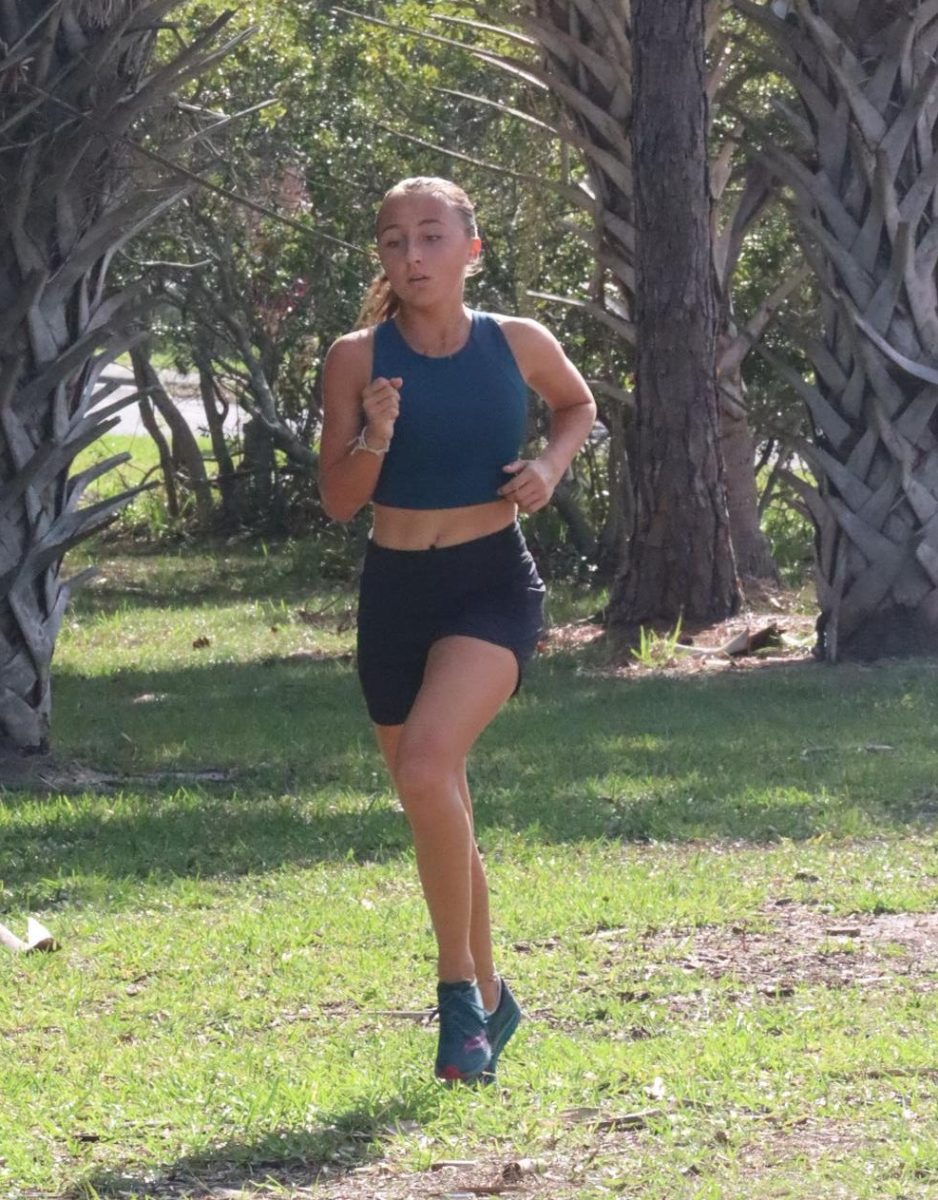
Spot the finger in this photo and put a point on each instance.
(381, 403)
(514, 467)
(380, 385)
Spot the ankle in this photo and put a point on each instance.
(490, 987)
(456, 969)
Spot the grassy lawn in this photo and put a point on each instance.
(716, 896)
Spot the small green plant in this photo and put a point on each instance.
(657, 649)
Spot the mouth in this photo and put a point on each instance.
(418, 278)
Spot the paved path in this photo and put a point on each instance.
(192, 409)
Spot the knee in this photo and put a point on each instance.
(422, 778)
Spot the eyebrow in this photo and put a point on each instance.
(425, 221)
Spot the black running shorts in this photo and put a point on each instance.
(487, 588)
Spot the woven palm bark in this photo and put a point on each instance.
(862, 170)
(77, 85)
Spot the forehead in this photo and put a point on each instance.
(415, 207)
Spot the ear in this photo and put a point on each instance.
(475, 250)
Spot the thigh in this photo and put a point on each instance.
(465, 682)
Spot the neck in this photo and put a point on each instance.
(434, 331)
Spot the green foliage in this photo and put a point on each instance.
(791, 534)
(349, 98)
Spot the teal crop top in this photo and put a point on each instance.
(462, 418)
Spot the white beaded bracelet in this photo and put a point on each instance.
(360, 443)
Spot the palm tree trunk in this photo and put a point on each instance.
(73, 85)
(865, 73)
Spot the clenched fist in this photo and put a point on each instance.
(532, 486)
(381, 404)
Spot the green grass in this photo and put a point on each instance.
(677, 867)
(146, 513)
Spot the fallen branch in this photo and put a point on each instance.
(746, 642)
(37, 938)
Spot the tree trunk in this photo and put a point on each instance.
(589, 55)
(152, 426)
(74, 87)
(186, 454)
(751, 547)
(865, 72)
(681, 561)
(226, 478)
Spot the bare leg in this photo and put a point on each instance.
(480, 930)
(465, 683)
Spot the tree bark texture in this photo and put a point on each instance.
(865, 72)
(73, 86)
(589, 65)
(681, 562)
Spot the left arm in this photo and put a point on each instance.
(546, 368)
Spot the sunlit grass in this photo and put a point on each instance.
(235, 947)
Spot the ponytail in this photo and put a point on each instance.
(380, 304)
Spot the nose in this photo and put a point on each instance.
(413, 251)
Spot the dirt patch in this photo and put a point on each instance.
(47, 775)
(448, 1180)
(770, 632)
(807, 946)
(774, 1149)
(550, 1176)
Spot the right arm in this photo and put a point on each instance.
(353, 404)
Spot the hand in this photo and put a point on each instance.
(532, 486)
(381, 404)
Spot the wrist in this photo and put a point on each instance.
(554, 468)
(377, 435)
(369, 442)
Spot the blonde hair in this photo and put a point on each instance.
(381, 301)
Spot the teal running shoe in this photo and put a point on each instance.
(464, 1051)
(500, 1025)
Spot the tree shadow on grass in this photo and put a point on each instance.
(283, 1159)
(576, 758)
(137, 579)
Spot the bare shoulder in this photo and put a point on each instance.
(347, 370)
(352, 349)
(543, 363)
(536, 350)
(525, 332)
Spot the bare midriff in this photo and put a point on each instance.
(426, 528)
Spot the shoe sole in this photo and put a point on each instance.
(451, 1080)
